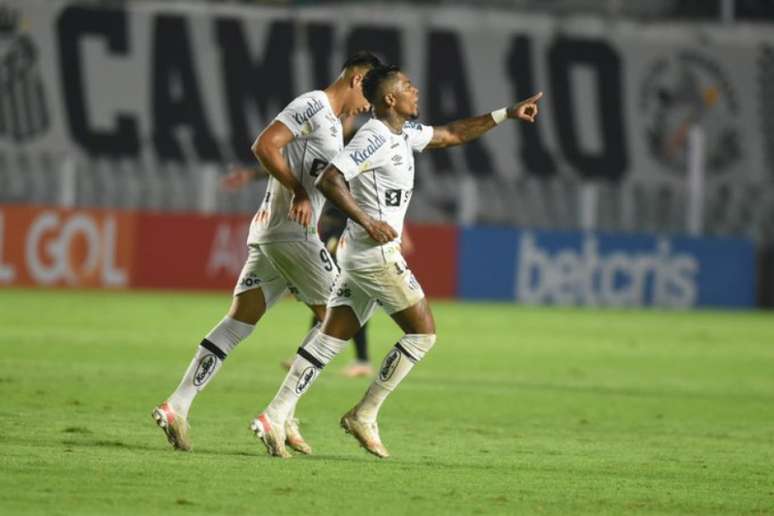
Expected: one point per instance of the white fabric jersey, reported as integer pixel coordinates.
(379, 166)
(318, 138)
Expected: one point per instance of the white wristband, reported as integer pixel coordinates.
(500, 116)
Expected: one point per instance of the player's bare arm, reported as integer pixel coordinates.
(468, 129)
(334, 188)
(268, 149)
(239, 176)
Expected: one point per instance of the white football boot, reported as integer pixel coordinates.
(175, 427)
(294, 439)
(271, 434)
(366, 432)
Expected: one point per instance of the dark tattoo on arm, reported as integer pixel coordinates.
(461, 131)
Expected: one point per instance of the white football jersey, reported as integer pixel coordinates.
(318, 138)
(379, 166)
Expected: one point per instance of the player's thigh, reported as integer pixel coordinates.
(248, 307)
(340, 322)
(307, 268)
(400, 294)
(258, 287)
(348, 298)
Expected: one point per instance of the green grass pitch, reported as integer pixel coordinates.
(517, 410)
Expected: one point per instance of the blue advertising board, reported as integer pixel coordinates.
(576, 268)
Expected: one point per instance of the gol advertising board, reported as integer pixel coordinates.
(66, 248)
(574, 268)
(78, 248)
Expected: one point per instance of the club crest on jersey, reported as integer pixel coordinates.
(312, 108)
(388, 366)
(374, 143)
(204, 369)
(306, 378)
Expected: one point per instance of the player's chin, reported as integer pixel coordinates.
(414, 115)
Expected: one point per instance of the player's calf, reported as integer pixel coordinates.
(394, 368)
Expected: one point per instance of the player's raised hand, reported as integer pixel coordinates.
(527, 109)
(301, 208)
(381, 231)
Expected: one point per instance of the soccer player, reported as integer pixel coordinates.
(378, 163)
(284, 250)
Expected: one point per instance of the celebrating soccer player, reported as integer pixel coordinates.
(379, 165)
(284, 250)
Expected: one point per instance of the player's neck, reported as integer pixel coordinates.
(335, 93)
(392, 120)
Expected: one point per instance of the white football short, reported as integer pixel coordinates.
(393, 286)
(304, 267)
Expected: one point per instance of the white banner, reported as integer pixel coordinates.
(195, 84)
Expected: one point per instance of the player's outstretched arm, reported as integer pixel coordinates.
(268, 149)
(468, 129)
(333, 186)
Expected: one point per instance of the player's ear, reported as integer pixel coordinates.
(356, 80)
(389, 100)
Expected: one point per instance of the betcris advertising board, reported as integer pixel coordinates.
(598, 269)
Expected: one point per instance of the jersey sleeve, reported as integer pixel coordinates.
(294, 117)
(366, 151)
(419, 135)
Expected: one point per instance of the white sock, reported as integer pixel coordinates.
(395, 367)
(211, 353)
(317, 350)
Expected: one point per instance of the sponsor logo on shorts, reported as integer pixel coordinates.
(306, 378)
(388, 366)
(204, 369)
(344, 292)
(250, 281)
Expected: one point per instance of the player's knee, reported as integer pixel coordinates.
(418, 344)
(319, 312)
(248, 307)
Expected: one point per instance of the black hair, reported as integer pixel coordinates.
(373, 80)
(362, 58)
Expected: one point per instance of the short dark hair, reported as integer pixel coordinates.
(362, 58)
(373, 80)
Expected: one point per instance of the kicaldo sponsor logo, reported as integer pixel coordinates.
(659, 277)
(53, 247)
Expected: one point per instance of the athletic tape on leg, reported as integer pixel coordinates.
(321, 350)
(227, 334)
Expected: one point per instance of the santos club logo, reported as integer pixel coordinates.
(682, 91)
(23, 112)
(205, 369)
(389, 365)
(306, 378)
